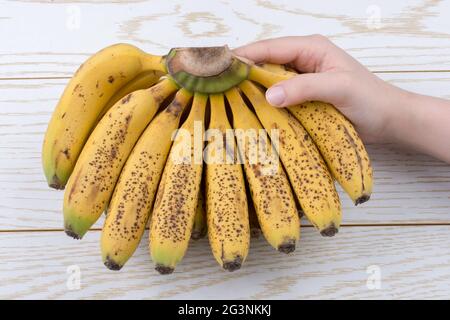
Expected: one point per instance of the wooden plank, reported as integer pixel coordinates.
(413, 263)
(409, 187)
(42, 38)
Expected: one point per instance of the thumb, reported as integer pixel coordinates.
(327, 87)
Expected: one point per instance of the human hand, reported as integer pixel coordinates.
(331, 75)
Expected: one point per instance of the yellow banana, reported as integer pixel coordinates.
(255, 228)
(226, 202)
(269, 74)
(98, 167)
(270, 189)
(334, 135)
(143, 80)
(134, 193)
(278, 68)
(199, 229)
(340, 146)
(176, 205)
(309, 176)
(84, 98)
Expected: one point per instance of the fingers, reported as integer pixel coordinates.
(327, 87)
(278, 50)
(306, 53)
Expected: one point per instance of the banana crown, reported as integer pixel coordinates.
(206, 69)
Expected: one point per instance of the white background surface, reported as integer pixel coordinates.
(403, 232)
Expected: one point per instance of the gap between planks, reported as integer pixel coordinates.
(376, 72)
(349, 225)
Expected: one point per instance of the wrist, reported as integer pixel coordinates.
(401, 116)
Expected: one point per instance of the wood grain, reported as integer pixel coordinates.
(409, 187)
(51, 38)
(414, 263)
(43, 42)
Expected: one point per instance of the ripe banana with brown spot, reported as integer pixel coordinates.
(134, 193)
(83, 100)
(334, 135)
(143, 80)
(309, 176)
(176, 206)
(226, 202)
(269, 186)
(199, 229)
(91, 185)
(255, 228)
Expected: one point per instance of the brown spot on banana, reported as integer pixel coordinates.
(127, 98)
(74, 185)
(358, 156)
(66, 153)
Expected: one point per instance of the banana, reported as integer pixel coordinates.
(143, 80)
(340, 146)
(176, 205)
(255, 228)
(278, 68)
(334, 135)
(226, 202)
(84, 98)
(269, 74)
(269, 187)
(309, 176)
(95, 174)
(199, 229)
(134, 193)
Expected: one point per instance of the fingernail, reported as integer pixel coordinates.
(276, 96)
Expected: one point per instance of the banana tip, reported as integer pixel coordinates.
(162, 269)
(56, 183)
(112, 265)
(68, 230)
(287, 247)
(329, 231)
(362, 199)
(233, 265)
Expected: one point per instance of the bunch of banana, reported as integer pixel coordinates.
(187, 144)
(99, 83)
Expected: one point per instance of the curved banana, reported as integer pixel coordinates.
(84, 98)
(199, 229)
(143, 80)
(340, 146)
(334, 135)
(309, 176)
(226, 202)
(95, 174)
(134, 193)
(270, 189)
(176, 201)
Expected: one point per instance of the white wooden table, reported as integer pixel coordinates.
(395, 246)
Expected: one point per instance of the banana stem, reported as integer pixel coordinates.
(163, 89)
(152, 62)
(217, 102)
(267, 78)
